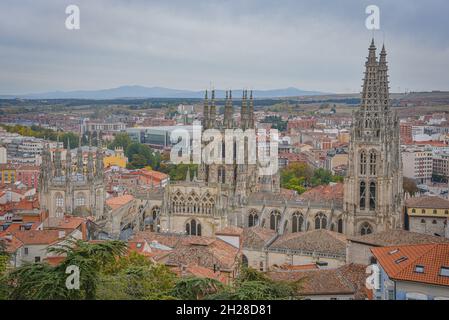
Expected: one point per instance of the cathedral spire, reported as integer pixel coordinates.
(58, 160)
(68, 161)
(99, 169)
(384, 94)
(206, 112)
(90, 161)
(188, 174)
(79, 155)
(213, 111)
(244, 112)
(370, 96)
(229, 111)
(251, 111)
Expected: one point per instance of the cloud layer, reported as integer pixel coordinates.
(312, 45)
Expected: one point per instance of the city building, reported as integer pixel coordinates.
(427, 215)
(418, 164)
(412, 272)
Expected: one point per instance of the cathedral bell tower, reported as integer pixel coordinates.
(373, 194)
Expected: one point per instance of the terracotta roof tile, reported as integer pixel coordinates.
(322, 241)
(428, 202)
(117, 202)
(399, 262)
(347, 280)
(34, 237)
(396, 237)
(256, 237)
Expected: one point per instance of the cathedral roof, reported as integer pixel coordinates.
(117, 202)
(396, 237)
(326, 193)
(256, 237)
(315, 241)
(348, 280)
(204, 251)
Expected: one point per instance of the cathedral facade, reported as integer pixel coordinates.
(72, 188)
(231, 193)
(221, 195)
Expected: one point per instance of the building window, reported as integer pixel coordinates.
(253, 219)
(423, 221)
(26, 251)
(261, 266)
(275, 218)
(366, 229)
(221, 175)
(297, 222)
(434, 211)
(193, 228)
(362, 195)
(413, 210)
(59, 200)
(320, 221)
(434, 222)
(423, 211)
(372, 196)
(340, 226)
(80, 200)
(372, 163)
(363, 163)
(37, 259)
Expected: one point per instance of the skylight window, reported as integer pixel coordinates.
(419, 269)
(393, 251)
(401, 259)
(444, 271)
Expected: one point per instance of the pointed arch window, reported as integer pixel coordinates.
(193, 228)
(366, 229)
(275, 218)
(297, 222)
(320, 221)
(372, 163)
(340, 226)
(363, 161)
(221, 175)
(362, 195)
(59, 200)
(253, 219)
(372, 196)
(80, 200)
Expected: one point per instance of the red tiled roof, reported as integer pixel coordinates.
(33, 237)
(12, 243)
(430, 202)
(117, 202)
(399, 262)
(199, 271)
(324, 193)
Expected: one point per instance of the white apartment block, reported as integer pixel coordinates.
(441, 164)
(418, 164)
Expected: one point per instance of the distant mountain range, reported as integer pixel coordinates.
(133, 92)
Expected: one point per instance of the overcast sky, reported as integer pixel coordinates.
(312, 45)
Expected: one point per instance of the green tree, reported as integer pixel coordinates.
(121, 139)
(194, 288)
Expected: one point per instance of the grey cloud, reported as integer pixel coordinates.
(312, 45)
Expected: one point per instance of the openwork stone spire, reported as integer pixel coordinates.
(229, 111)
(206, 112)
(213, 111)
